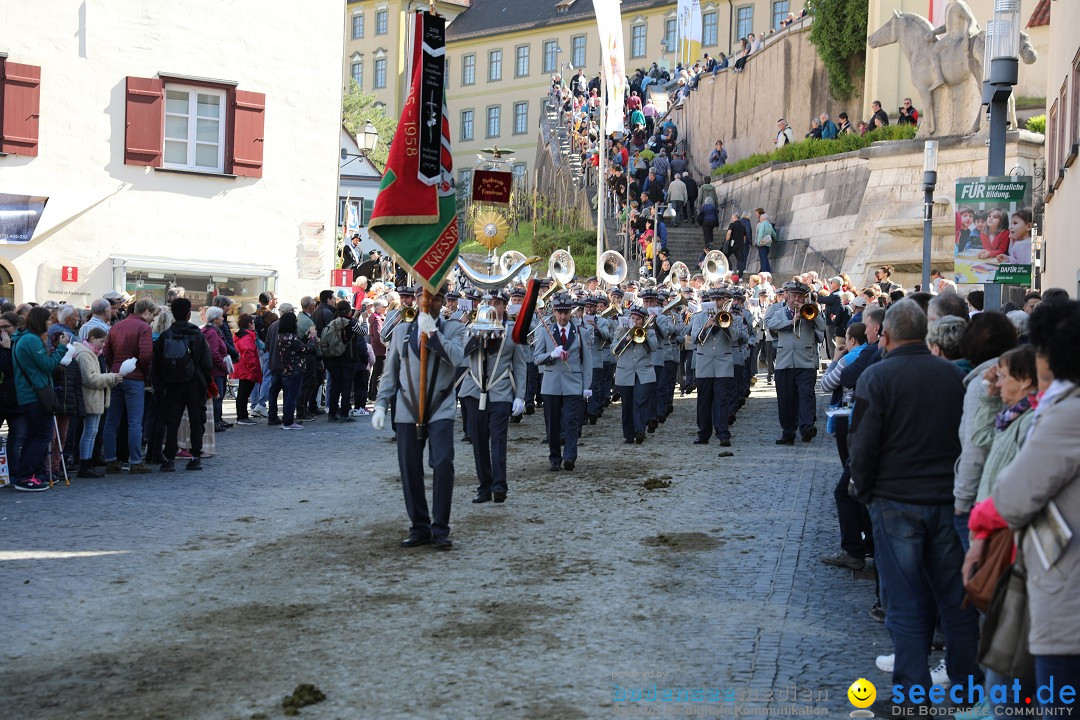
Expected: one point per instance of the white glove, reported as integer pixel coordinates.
(427, 324)
(558, 353)
(378, 418)
(519, 407)
(587, 393)
(128, 366)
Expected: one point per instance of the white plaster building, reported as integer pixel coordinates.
(358, 186)
(176, 142)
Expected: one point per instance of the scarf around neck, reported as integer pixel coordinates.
(1006, 417)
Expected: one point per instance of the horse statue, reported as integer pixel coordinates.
(946, 65)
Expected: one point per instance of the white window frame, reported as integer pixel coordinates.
(778, 16)
(671, 34)
(553, 66)
(498, 121)
(384, 17)
(574, 55)
(357, 25)
(375, 78)
(521, 59)
(471, 125)
(715, 28)
(739, 21)
(639, 49)
(495, 61)
(193, 98)
(468, 69)
(524, 117)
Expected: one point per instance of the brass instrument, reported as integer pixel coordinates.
(407, 314)
(510, 261)
(721, 319)
(636, 335)
(404, 314)
(678, 271)
(560, 269)
(612, 268)
(677, 302)
(808, 312)
(715, 267)
(609, 311)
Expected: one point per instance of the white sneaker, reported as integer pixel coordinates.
(885, 663)
(359, 412)
(258, 411)
(939, 675)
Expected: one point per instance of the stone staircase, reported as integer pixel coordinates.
(562, 141)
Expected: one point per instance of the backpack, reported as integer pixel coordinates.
(179, 365)
(333, 341)
(259, 323)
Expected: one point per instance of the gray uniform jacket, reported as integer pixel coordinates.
(795, 352)
(715, 357)
(665, 328)
(635, 363)
(500, 367)
(563, 377)
(401, 373)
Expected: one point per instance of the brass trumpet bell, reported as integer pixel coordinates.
(808, 311)
(408, 314)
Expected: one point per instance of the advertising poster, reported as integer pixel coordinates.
(993, 230)
(19, 215)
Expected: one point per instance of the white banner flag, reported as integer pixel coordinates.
(689, 24)
(609, 23)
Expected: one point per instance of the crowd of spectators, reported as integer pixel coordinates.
(129, 384)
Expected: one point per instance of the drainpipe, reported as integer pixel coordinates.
(730, 26)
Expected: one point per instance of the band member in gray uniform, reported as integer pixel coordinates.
(493, 389)
(600, 330)
(401, 380)
(797, 362)
(714, 370)
(635, 377)
(607, 358)
(566, 359)
(664, 328)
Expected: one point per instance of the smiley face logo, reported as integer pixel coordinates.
(862, 693)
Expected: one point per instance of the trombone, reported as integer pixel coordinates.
(635, 335)
(722, 319)
(405, 314)
(808, 312)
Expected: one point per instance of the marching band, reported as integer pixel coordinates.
(583, 349)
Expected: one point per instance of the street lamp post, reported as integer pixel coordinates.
(929, 183)
(1001, 63)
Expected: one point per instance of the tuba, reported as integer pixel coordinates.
(612, 268)
(714, 267)
(560, 269)
(678, 271)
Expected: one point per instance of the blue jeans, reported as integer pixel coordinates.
(262, 390)
(918, 558)
(960, 522)
(89, 434)
(34, 452)
(763, 256)
(1062, 670)
(15, 440)
(128, 394)
(291, 385)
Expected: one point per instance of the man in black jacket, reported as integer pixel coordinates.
(181, 392)
(901, 457)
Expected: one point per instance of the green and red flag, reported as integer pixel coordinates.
(415, 214)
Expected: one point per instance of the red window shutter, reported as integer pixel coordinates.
(21, 86)
(145, 108)
(249, 110)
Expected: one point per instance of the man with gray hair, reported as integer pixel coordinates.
(901, 460)
(225, 302)
(100, 314)
(945, 304)
(943, 337)
(313, 372)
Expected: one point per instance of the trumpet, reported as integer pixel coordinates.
(636, 335)
(405, 314)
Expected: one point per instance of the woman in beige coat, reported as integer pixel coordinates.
(1045, 471)
(96, 384)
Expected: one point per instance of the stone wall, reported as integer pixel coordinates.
(856, 211)
(784, 80)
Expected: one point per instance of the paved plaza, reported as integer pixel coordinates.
(214, 594)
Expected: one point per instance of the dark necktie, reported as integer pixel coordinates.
(563, 331)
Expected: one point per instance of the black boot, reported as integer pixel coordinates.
(86, 470)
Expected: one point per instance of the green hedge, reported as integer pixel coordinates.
(809, 149)
(1037, 123)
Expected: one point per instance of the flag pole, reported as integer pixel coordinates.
(600, 168)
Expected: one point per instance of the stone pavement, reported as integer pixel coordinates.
(279, 565)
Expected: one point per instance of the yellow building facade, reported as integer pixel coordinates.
(501, 56)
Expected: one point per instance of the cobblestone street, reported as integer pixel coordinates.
(213, 594)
